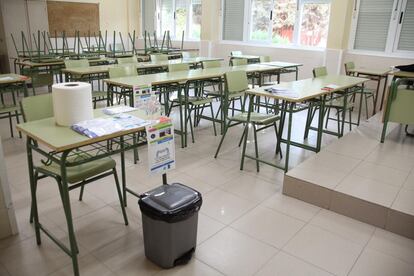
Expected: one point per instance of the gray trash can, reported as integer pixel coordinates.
(169, 221)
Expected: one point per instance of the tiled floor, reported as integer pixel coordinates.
(246, 226)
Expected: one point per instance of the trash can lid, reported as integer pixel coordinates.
(170, 203)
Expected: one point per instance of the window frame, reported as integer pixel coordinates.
(393, 34)
(268, 42)
(173, 30)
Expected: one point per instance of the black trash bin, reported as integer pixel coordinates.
(169, 221)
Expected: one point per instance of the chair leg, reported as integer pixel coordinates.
(278, 150)
(71, 233)
(121, 201)
(256, 148)
(222, 139)
(191, 124)
(212, 117)
(18, 122)
(338, 119)
(307, 124)
(36, 178)
(241, 138)
(327, 117)
(11, 125)
(81, 192)
(350, 120)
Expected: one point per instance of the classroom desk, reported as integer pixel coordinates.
(288, 67)
(299, 92)
(250, 58)
(180, 78)
(56, 65)
(375, 75)
(103, 70)
(13, 81)
(58, 144)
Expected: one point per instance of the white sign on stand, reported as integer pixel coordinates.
(161, 146)
(146, 100)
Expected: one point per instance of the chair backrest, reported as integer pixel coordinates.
(238, 61)
(319, 72)
(264, 58)
(159, 57)
(37, 107)
(189, 54)
(211, 64)
(236, 53)
(348, 66)
(76, 63)
(174, 67)
(127, 60)
(235, 82)
(400, 102)
(123, 71)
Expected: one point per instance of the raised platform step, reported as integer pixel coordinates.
(361, 178)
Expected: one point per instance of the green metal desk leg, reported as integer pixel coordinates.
(25, 91)
(246, 130)
(360, 103)
(289, 133)
(383, 92)
(180, 107)
(376, 96)
(320, 123)
(387, 112)
(123, 176)
(33, 189)
(344, 112)
(65, 197)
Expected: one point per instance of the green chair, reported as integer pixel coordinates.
(127, 60)
(366, 92)
(175, 67)
(39, 79)
(196, 103)
(119, 72)
(97, 95)
(399, 105)
(211, 64)
(336, 102)
(238, 61)
(158, 57)
(10, 112)
(264, 59)
(236, 82)
(212, 83)
(189, 54)
(41, 107)
(236, 53)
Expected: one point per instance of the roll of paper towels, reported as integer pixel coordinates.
(72, 102)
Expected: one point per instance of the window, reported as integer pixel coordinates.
(383, 26)
(283, 22)
(175, 16)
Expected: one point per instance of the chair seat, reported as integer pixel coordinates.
(9, 108)
(339, 103)
(256, 118)
(99, 94)
(81, 172)
(197, 100)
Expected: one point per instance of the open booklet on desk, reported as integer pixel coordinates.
(283, 91)
(105, 126)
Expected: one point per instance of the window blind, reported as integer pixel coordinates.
(373, 23)
(406, 41)
(233, 20)
(148, 15)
